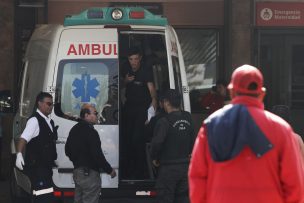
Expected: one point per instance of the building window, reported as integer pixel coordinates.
(200, 48)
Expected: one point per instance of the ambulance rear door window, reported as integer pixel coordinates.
(88, 81)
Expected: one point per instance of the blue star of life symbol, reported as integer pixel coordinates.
(85, 88)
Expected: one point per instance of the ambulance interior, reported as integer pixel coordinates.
(153, 48)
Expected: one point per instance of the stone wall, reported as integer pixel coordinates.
(241, 32)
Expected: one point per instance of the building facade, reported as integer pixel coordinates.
(216, 37)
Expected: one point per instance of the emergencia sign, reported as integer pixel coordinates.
(279, 14)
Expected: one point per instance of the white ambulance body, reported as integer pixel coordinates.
(80, 62)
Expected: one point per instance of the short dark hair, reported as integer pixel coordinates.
(40, 97)
(133, 51)
(173, 97)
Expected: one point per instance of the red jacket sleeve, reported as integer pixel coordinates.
(292, 169)
(291, 165)
(198, 169)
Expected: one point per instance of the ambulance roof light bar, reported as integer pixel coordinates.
(117, 16)
(137, 14)
(94, 14)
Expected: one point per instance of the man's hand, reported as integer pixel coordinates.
(113, 174)
(129, 78)
(155, 163)
(19, 161)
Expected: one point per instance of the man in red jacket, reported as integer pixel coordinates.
(215, 99)
(245, 154)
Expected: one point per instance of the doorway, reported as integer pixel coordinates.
(281, 59)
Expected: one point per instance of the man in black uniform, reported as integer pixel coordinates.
(39, 138)
(171, 148)
(160, 112)
(83, 147)
(140, 95)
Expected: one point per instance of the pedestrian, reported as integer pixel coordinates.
(244, 153)
(171, 147)
(140, 96)
(216, 98)
(39, 138)
(83, 147)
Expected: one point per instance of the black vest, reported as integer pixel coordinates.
(179, 141)
(41, 150)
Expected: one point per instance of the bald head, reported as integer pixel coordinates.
(88, 113)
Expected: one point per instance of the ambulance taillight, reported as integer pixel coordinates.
(59, 194)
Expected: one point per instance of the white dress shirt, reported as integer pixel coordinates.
(32, 127)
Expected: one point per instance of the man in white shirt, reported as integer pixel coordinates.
(39, 138)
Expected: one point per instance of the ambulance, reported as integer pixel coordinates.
(80, 62)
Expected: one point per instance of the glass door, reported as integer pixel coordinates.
(280, 57)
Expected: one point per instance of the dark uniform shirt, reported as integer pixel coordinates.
(152, 123)
(173, 138)
(137, 91)
(83, 147)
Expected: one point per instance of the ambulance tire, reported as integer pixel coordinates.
(18, 195)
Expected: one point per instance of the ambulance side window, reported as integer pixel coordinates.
(32, 86)
(87, 81)
(37, 56)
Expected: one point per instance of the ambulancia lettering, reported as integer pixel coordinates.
(92, 49)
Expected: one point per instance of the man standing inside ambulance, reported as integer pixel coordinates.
(39, 138)
(140, 95)
(244, 153)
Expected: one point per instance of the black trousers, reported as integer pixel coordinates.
(41, 181)
(172, 184)
(133, 140)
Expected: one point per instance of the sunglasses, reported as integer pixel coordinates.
(49, 103)
(96, 113)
